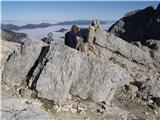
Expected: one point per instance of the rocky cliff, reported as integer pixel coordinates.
(139, 25)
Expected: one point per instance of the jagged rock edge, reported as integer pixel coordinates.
(118, 53)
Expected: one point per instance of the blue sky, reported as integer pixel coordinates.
(61, 11)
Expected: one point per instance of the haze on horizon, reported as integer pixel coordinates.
(62, 11)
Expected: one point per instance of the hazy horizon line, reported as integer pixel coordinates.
(25, 22)
(59, 20)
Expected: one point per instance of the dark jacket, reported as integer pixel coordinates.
(70, 39)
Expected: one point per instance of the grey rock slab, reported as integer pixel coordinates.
(151, 89)
(20, 62)
(121, 47)
(69, 71)
(17, 109)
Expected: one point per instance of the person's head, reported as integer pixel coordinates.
(50, 35)
(74, 28)
(93, 24)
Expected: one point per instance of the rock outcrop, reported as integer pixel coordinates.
(20, 62)
(119, 46)
(154, 46)
(13, 108)
(57, 70)
(83, 76)
(151, 89)
(139, 25)
(65, 80)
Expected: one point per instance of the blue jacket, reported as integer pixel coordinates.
(70, 39)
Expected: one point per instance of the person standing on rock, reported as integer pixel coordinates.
(73, 40)
(49, 39)
(95, 24)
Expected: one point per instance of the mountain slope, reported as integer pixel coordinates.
(28, 26)
(13, 36)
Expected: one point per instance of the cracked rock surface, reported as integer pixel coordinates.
(17, 109)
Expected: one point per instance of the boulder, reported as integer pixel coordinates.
(68, 71)
(20, 62)
(17, 109)
(150, 89)
(154, 46)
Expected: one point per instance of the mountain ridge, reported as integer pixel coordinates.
(11, 36)
(139, 25)
(44, 25)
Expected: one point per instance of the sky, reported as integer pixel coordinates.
(62, 11)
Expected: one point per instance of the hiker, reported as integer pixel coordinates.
(49, 39)
(73, 39)
(94, 25)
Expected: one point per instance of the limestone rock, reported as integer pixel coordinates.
(16, 109)
(20, 62)
(121, 47)
(58, 70)
(154, 46)
(73, 110)
(151, 89)
(7, 48)
(68, 70)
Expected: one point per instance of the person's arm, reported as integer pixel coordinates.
(66, 38)
(79, 33)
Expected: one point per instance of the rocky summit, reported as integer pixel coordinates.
(139, 25)
(112, 80)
